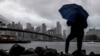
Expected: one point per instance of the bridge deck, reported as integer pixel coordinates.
(18, 30)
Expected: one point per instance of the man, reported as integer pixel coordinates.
(77, 31)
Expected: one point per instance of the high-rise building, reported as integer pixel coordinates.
(20, 27)
(44, 30)
(51, 32)
(28, 26)
(37, 36)
(13, 33)
(9, 26)
(94, 32)
(29, 36)
(58, 29)
(64, 34)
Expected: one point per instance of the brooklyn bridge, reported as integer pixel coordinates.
(32, 32)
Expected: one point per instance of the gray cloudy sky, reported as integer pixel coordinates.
(46, 11)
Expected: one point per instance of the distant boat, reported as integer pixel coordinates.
(15, 41)
(12, 39)
(91, 42)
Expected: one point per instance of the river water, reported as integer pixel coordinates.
(60, 46)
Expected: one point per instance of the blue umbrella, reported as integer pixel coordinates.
(72, 11)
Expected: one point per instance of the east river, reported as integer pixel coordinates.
(60, 46)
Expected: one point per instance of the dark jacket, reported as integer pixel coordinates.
(79, 24)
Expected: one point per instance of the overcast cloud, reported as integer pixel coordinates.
(46, 11)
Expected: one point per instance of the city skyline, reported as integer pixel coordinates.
(38, 12)
(30, 26)
(57, 31)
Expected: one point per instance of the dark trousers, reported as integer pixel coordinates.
(75, 34)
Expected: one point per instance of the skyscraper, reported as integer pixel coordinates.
(64, 34)
(19, 34)
(9, 26)
(29, 36)
(44, 30)
(58, 29)
(93, 32)
(51, 32)
(37, 29)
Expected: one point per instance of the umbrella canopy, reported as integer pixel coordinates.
(72, 11)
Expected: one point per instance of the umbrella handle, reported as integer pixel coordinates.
(69, 23)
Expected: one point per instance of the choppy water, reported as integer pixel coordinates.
(60, 46)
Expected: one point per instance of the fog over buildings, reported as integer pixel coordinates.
(57, 31)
